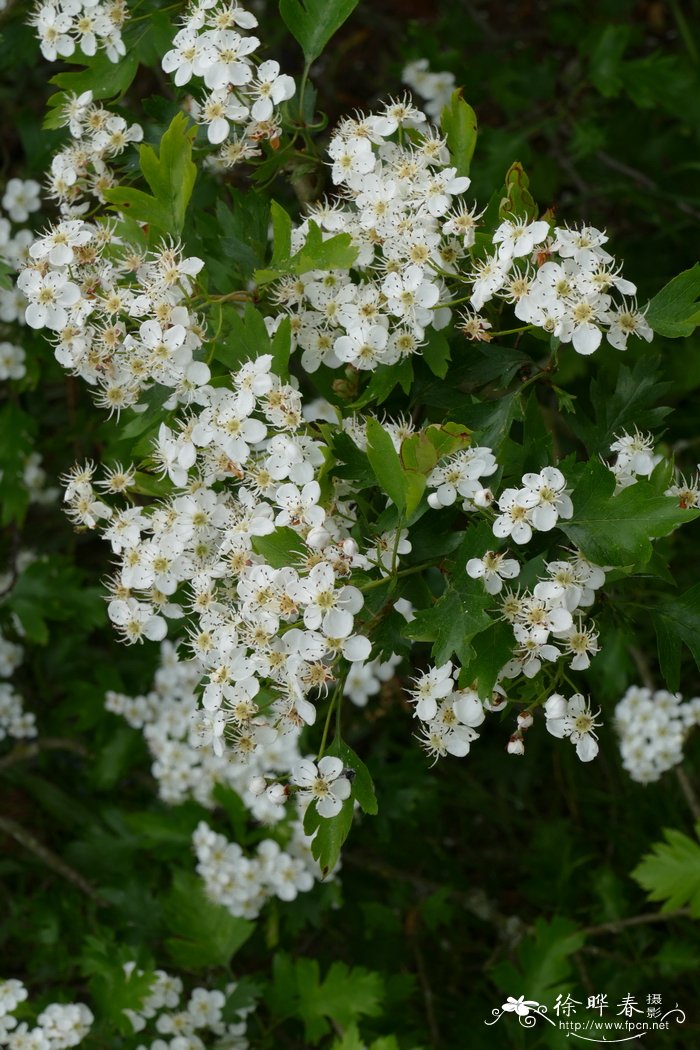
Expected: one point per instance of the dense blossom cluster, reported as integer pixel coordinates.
(653, 727)
(82, 170)
(164, 1020)
(402, 204)
(64, 25)
(57, 1027)
(238, 108)
(170, 719)
(15, 722)
(184, 769)
(243, 882)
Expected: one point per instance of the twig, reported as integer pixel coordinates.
(427, 996)
(49, 858)
(689, 792)
(642, 665)
(644, 181)
(25, 752)
(635, 920)
(475, 902)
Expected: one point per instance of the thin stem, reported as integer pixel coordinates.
(25, 752)
(635, 920)
(404, 572)
(49, 858)
(689, 792)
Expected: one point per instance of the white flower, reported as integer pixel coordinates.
(493, 569)
(574, 719)
(430, 687)
(323, 784)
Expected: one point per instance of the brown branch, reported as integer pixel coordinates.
(635, 920)
(689, 792)
(25, 752)
(50, 859)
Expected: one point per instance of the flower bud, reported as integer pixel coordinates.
(525, 720)
(483, 498)
(277, 793)
(257, 786)
(516, 745)
(434, 501)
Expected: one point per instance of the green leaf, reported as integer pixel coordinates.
(330, 834)
(436, 352)
(451, 623)
(332, 253)
(385, 462)
(112, 988)
(674, 312)
(344, 995)
(362, 786)
(313, 22)
(543, 960)
(677, 620)
(171, 174)
(633, 403)
(616, 529)
(384, 379)
(280, 348)
(517, 202)
(104, 78)
(204, 933)
(671, 872)
(458, 121)
(493, 650)
(282, 547)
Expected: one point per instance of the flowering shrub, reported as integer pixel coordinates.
(376, 454)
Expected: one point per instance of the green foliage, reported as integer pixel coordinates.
(203, 934)
(615, 529)
(344, 994)
(544, 965)
(170, 175)
(677, 622)
(674, 312)
(317, 252)
(313, 22)
(670, 872)
(458, 122)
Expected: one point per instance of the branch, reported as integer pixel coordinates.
(635, 920)
(49, 858)
(25, 752)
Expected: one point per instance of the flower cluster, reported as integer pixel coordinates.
(397, 206)
(19, 201)
(182, 767)
(58, 1026)
(122, 338)
(15, 722)
(653, 727)
(215, 46)
(63, 25)
(449, 715)
(244, 882)
(83, 169)
(435, 88)
(460, 476)
(191, 1025)
(561, 283)
(537, 505)
(634, 458)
